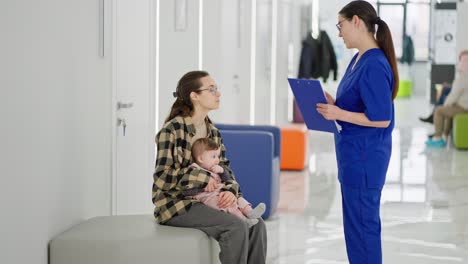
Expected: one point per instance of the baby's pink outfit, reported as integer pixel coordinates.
(211, 199)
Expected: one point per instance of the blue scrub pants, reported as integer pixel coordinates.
(361, 221)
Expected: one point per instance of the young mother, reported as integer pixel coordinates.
(197, 94)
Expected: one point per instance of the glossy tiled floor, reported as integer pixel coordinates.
(424, 208)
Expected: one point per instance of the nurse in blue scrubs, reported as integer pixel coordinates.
(364, 109)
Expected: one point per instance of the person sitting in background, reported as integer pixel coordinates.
(446, 88)
(455, 103)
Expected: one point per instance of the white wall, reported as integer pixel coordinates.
(462, 21)
(226, 56)
(213, 48)
(244, 63)
(263, 58)
(220, 36)
(178, 51)
(55, 131)
(284, 35)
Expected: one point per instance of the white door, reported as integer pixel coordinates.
(227, 56)
(221, 48)
(133, 87)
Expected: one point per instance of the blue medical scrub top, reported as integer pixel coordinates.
(363, 153)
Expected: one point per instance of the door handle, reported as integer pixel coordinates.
(121, 105)
(121, 121)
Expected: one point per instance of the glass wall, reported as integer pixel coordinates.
(410, 17)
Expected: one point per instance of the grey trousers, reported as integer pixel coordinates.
(238, 243)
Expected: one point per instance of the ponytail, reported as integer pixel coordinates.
(385, 42)
(179, 107)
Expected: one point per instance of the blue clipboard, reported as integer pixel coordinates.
(308, 94)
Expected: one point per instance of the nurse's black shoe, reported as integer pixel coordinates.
(430, 136)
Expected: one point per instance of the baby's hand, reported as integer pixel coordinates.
(217, 169)
(211, 185)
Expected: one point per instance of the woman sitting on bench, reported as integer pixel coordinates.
(196, 95)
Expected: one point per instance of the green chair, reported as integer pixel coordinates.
(460, 131)
(405, 88)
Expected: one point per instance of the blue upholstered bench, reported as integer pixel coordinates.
(254, 152)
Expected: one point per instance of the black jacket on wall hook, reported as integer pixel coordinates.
(408, 50)
(318, 58)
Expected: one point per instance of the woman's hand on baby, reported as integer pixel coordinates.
(226, 199)
(211, 185)
(217, 169)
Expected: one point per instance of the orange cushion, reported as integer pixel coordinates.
(293, 148)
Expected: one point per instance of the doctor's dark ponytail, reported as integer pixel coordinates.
(367, 13)
(385, 42)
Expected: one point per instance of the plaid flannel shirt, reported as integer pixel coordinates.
(173, 175)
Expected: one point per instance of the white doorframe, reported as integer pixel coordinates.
(114, 113)
(154, 76)
(152, 86)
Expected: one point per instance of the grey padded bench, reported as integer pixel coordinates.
(131, 239)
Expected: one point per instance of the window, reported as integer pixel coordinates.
(418, 26)
(393, 15)
(411, 17)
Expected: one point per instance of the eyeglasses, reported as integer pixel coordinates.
(338, 25)
(212, 89)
